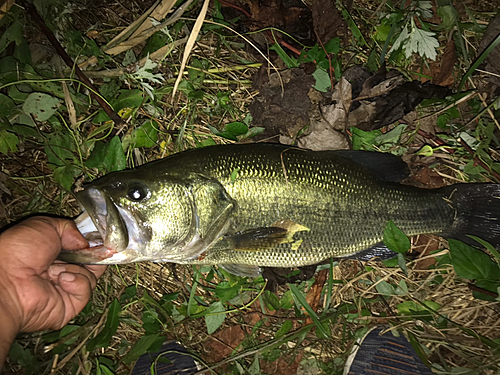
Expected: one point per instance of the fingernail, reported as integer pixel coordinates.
(68, 277)
(56, 269)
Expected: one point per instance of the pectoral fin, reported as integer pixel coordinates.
(264, 238)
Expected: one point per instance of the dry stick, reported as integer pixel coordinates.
(53, 40)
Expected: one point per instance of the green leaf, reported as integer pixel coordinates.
(225, 291)
(362, 140)
(236, 128)
(286, 300)
(290, 62)
(104, 337)
(384, 288)
(66, 330)
(216, 317)
(146, 135)
(487, 245)
(115, 157)
(333, 46)
(59, 149)
(489, 285)
(127, 99)
(13, 34)
(323, 82)
(392, 137)
(7, 106)
(141, 347)
(284, 329)
(96, 158)
(410, 307)
(402, 263)
(395, 239)
(271, 300)
(8, 142)
(64, 176)
(41, 106)
(471, 263)
(418, 348)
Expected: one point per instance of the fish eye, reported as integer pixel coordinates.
(137, 193)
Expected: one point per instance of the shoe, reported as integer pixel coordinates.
(180, 362)
(378, 354)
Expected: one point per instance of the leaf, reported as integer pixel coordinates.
(409, 307)
(392, 137)
(41, 106)
(64, 176)
(103, 339)
(271, 300)
(225, 291)
(471, 263)
(146, 135)
(362, 140)
(115, 157)
(216, 317)
(96, 158)
(13, 34)
(127, 99)
(290, 62)
(333, 46)
(8, 142)
(402, 263)
(487, 245)
(284, 329)
(141, 347)
(59, 149)
(395, 239)
(384, 288)
(7, 106)
(323, 82)
(488, 285)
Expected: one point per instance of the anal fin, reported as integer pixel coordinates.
(379, 250)
(245, 270)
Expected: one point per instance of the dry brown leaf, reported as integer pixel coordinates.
(314, 294)
(444, 77)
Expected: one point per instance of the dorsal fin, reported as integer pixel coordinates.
(386, 167)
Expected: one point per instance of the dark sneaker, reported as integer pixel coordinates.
(173, 359)
(384, 355)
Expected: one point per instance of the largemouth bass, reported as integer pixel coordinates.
(243, 207)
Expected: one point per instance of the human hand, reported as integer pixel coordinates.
(36, 291)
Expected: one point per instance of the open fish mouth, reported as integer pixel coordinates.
(113, 233)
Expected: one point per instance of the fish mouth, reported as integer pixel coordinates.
(113, 233)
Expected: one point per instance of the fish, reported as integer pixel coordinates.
(247, 206)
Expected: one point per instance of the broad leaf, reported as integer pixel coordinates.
(395, 239)
(8, 142)
(471, 263)
(104, 337)
(115, 157)
(41, 106)
(216, 317)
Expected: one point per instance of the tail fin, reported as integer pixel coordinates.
(478, 212)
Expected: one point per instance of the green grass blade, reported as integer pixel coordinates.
(302, 301)
(479, 60)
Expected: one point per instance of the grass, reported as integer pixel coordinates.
(233, 324)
